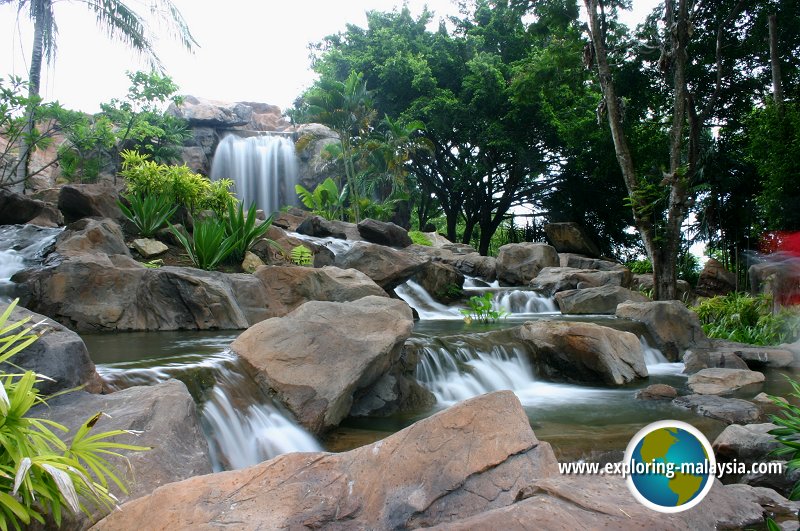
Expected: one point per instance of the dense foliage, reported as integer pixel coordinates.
(742, 318)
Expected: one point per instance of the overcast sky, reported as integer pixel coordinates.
(250, 50)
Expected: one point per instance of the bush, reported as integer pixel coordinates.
(148, 213)
(745, 319)
(788, 434)
(39, 473)
(640, 267)
(244, 230)
(419, 238)
(209, 244)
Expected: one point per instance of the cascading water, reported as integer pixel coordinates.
(427, 308)
(517, 301)
(263, 169)
(657, 363)
(242, 426)
(21, 246)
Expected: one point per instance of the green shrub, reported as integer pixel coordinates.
(244, 229)
(302, 256)
(479, 308)
(419, 238)
(39, 473)
(640, 267)
(148, 213)
(326, 200)
(788, 433)
(745, 319)
(209, 244)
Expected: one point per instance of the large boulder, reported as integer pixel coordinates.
(92, 236)
(584, 352)
(519, 263)
(569, 237)
(472, 457)
(290, 287)
(698, 359)
(162, 417)
(600, 300)
(16, 209)
(551, 280)
(78, 201)
(201, 112)
(728, 410)
(442, 281)
(318, 356)
(722, 381)
(644, 283)
(715, 280)
(757, 357)
(463, 257)
(673, 327)
(59, 353)
(578, 261)
(657, 392)
(384, 233)
(315, 165)
(267, 251)
(747, 444)
(386, 266)
(320, 227)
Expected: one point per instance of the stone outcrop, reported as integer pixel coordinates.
(728, 410)
(551, 280)
(59, 354)
(570, 237)
(315, 167)
(698, 359)
(166, 416)
(386, 266)
(584, 352)
(715, 280)
(519, 263)
(722, 381)
(600, 300)
(384, 233)
(673, 327)
(78, 201)
(318, 356)
(16, 209)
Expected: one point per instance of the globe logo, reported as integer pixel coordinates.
(670, 466)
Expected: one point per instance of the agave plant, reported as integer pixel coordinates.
(244, 230)
(148, 213)
(209, 244)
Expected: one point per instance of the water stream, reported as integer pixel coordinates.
(21, 246)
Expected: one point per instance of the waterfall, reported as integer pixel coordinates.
(418, 298)
(263, 169)
(656, 362)
(242, 426)
(21, 246)
(517, 301)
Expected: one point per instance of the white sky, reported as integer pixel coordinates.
(250, 50)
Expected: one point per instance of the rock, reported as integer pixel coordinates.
(673, 327)
(148, 247)
(315, 166)
(201, 112)
(166, 416)
(657, 392)
(59, 354)
(386, 266)
(16, 209)
(722, 381)
(78, 201)
(757, 357)
(313, 367)
(289, 287)
(322, 228)
(442, 281)
(600, 300)
(570, 237)
(322, 256)
(763, 399)
(551, 280)
(290, 219)
(519, 263)
(476, 265)
(715, 280)
(196, 158)
(698, 359)
(644, 283)
(469, 458)
(90, 237)
(728, 410)
(579, 261)
(251, 262)
(384, 233)
(782, 482)
(584, 352)
(436, 239)
(748, 444)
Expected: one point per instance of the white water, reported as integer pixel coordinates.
(242, 426)
(418, 298)
(517, 301)
(657, 363)
(336, 245)
(263, 169)
(21, 246)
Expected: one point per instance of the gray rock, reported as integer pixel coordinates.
(748, 444)
(78, 201)
(673, 327)
(148, 247)
(728, 410)
(551, 280)
(698, 359)
(579, 261)
(386, 266)
(442, 281)
(323, 228)
(92, 236)
(722, 381)
(519, 263)
(715, 280)
(569, 237)
(384, 233)
(600, 300)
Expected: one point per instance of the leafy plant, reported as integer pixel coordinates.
(209, 244)
(244, 230)
(148, 213)
(746, 319)
(640, 267)
(788, 433)
(326, 200)
(419, 238)
(39, 473)
(302, 256)
(480, 308)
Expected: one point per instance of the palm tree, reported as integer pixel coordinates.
(119, 21)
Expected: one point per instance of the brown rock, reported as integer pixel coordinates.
(673, 327)
(698, 359)
(442, 281)
(386, 266)
(715, 280)
(92, 236)
(722, 381)
(657, 392)
(384, 233)
(78, 201)
(728, 410)
(600, 300)
(551, 280)
(519, 263)
(569, 237)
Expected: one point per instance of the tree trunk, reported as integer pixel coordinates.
(34, 80)
(774, 57)
(665, 276)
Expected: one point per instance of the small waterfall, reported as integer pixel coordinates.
(263, 169)
(243, 427)
(475, 282)
(21, 246)
(418, 298)
(524, 301)
(336, 245)
(656, 362)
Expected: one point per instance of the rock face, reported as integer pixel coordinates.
(698, 359)
(570, 237)
(748, 444)
(722, 381)
(728, 410)
(472, 457)
(315, 167)
(551, 280)
(715, 280)
(387, 267)
(318, 356)
(673, 327)
(78, 201)
(584, 352)
(167, 417)
(600, 300)
(59, 354)
(519, 263)
(384, 233)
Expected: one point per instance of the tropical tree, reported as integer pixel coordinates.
(119, 20)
